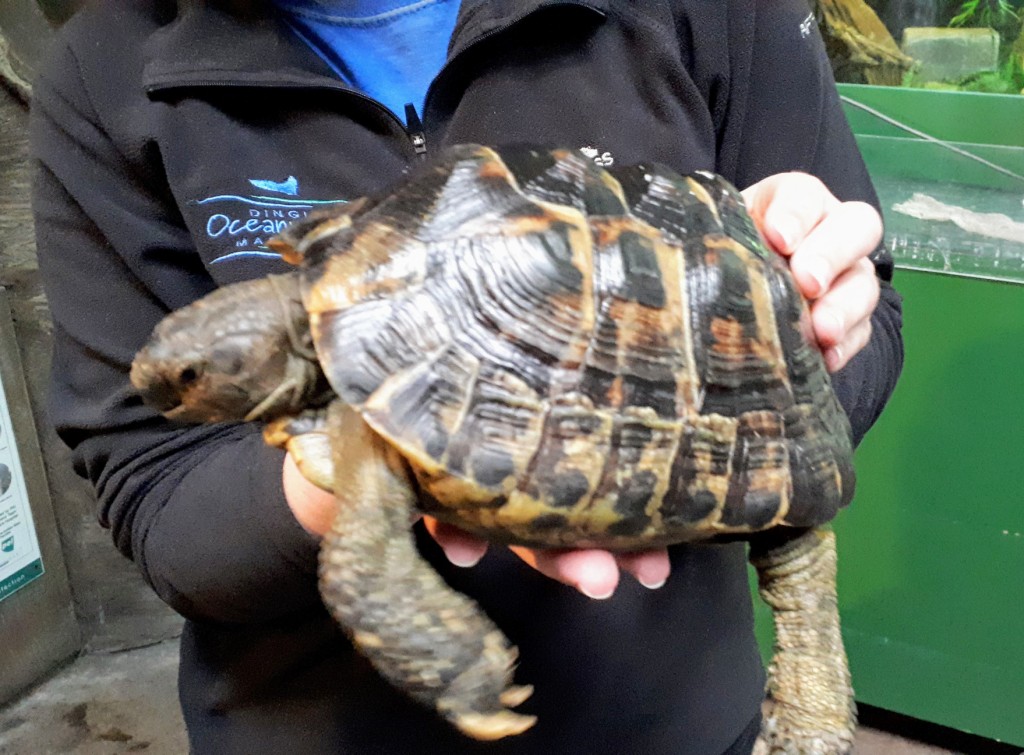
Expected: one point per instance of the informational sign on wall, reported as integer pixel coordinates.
(20, 561)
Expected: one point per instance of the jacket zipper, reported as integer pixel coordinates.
(414, 128)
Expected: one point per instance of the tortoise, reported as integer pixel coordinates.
(546, 353)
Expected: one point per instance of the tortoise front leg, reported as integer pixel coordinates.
(422, 636)
(810, 706)
(305, 437)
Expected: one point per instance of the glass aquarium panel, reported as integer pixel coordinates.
(934, 91)
(949, 170)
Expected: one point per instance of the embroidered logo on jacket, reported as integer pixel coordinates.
(241, 225)
(289, 186)
(604, 159)
(807, 26)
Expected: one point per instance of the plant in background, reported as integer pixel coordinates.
(1005, 17)
(992, 13)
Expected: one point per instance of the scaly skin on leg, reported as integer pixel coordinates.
(305, 437)
(810, 708)
(421, 635)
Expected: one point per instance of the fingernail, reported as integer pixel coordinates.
(788, 229)
(833, 358)
(594, 595)
(651, 585)
(837, 330)
(818, 269)
(463, 557)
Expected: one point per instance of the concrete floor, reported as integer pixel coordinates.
(112, 704)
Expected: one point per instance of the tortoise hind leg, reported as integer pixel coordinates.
(422, 636)
(810, 706)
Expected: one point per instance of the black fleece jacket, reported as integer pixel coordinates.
(170, 146)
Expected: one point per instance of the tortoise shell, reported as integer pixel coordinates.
(567, 355)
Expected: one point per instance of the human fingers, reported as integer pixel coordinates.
(651, 568)
(841, 319)
(786, 207)
(838, 356)
(460, 547)
(313, 507)
(801, 219)
(840, 242)
(594, 573)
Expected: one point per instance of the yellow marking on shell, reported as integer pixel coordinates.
(457, 492)
(581, 243)
(778, 481)
(584, 453)
(776, 478)
(492, 166)
(380, 261)
(519, 509)
(702, 196)
(657, 457)
(643, 329)
(614, 186)
(594, 521)
(515, 518)
(768, 326)
(672, 263)
(728, 335)
(327, 228)
(766, 345)
(769, 347)
(712, 431)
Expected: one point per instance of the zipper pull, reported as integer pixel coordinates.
(414, 127)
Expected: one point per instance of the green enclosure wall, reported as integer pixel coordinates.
(931, 550)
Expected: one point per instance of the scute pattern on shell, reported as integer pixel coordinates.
(566, 355)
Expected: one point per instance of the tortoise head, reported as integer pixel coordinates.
(242, 352)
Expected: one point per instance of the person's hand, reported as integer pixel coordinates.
(827, 243)
(313, 507)
(595, 573)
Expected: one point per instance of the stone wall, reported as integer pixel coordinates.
(116, 610)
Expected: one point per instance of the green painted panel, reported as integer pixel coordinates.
(971, 117)
(911, 158)
(931, 550)
(931, 581)
(933, 547)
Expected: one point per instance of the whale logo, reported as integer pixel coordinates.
(289, 186)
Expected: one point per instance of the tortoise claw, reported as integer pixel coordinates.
(491, 726)
(516, 695)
